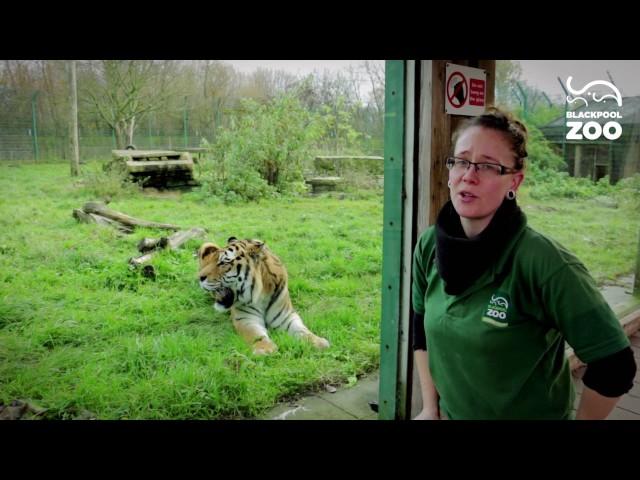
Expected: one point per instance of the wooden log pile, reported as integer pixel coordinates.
(99, 213)
(149, 247)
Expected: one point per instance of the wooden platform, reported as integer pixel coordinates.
(199, 151)
(153, 166)
(156, 168)
(144, 155)
(323, 184)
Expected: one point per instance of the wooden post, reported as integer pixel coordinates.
(73, 120)
(441, 127)
(34, 125)
(636, 281)
(577, 159)
(490, 89)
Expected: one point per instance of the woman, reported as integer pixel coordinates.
(498, 300)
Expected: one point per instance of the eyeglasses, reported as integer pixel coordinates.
(459, 165)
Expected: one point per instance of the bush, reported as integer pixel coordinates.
(627, 190)
(240, 185)
(261, 154)
(541, 154)
(112, 183)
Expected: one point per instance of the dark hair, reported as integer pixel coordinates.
(501, 121)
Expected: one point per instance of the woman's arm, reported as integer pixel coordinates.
(430, 409)
(594, 406)
(605, 381)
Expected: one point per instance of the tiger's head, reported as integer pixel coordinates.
(220, 268)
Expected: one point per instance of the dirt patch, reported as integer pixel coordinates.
(20, 410)
(156, 193)
(24, 410)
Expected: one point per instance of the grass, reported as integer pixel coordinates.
(604, 238)
(80, 332)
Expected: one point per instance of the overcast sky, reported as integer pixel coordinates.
(542, 74)
(305, 67)
(296, 67)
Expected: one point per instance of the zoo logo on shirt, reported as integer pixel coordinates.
(496, 312)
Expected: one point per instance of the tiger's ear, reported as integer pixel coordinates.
(231, 239)
(207, 249)
(255, 248)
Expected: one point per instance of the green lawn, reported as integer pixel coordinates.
(605, 239)
(80, 332)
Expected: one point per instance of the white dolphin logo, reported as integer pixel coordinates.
(500, 301)
(617, 97)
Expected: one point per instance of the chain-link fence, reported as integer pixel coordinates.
(29, 131)
(34, 128)
(21, 142)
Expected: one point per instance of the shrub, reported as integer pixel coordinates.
(112, 183)
(261, 153)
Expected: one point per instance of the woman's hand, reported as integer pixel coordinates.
(428, 414)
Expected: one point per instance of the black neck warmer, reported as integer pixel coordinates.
(460, 260)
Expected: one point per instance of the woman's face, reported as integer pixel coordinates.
(476, 195)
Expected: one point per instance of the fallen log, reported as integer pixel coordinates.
(101, 209)
(148, 244)
(173, 242)
(180, 238)
(84, 217)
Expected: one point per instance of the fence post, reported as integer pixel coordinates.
(149, 142)
(636, 281)
(186, 122)
(525, 105)
(36, 152)
(564, 134)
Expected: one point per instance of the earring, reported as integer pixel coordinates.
(511, 195)
(449, 184)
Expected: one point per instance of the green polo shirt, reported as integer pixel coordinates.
(497, 351)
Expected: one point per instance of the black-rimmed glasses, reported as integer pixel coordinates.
(460, 165)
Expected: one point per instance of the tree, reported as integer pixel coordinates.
(123, 91)
(265, 84)
(374, 111)
(73, 120)
(375, 72)
(219, 84)
(508, 73)
(54, 103)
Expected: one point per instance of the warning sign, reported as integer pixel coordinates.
(465, 90)
(457, 90)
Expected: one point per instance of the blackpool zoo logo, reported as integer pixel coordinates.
(592, 130)
(496, 312)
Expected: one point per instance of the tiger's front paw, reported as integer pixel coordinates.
(264, 347)
(320, 343)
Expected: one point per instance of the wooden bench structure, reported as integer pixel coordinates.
(323, 184)
(336, 163)
(327, 170)
(156, 168)
(196, 151)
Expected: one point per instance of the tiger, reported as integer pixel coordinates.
(247, 278)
